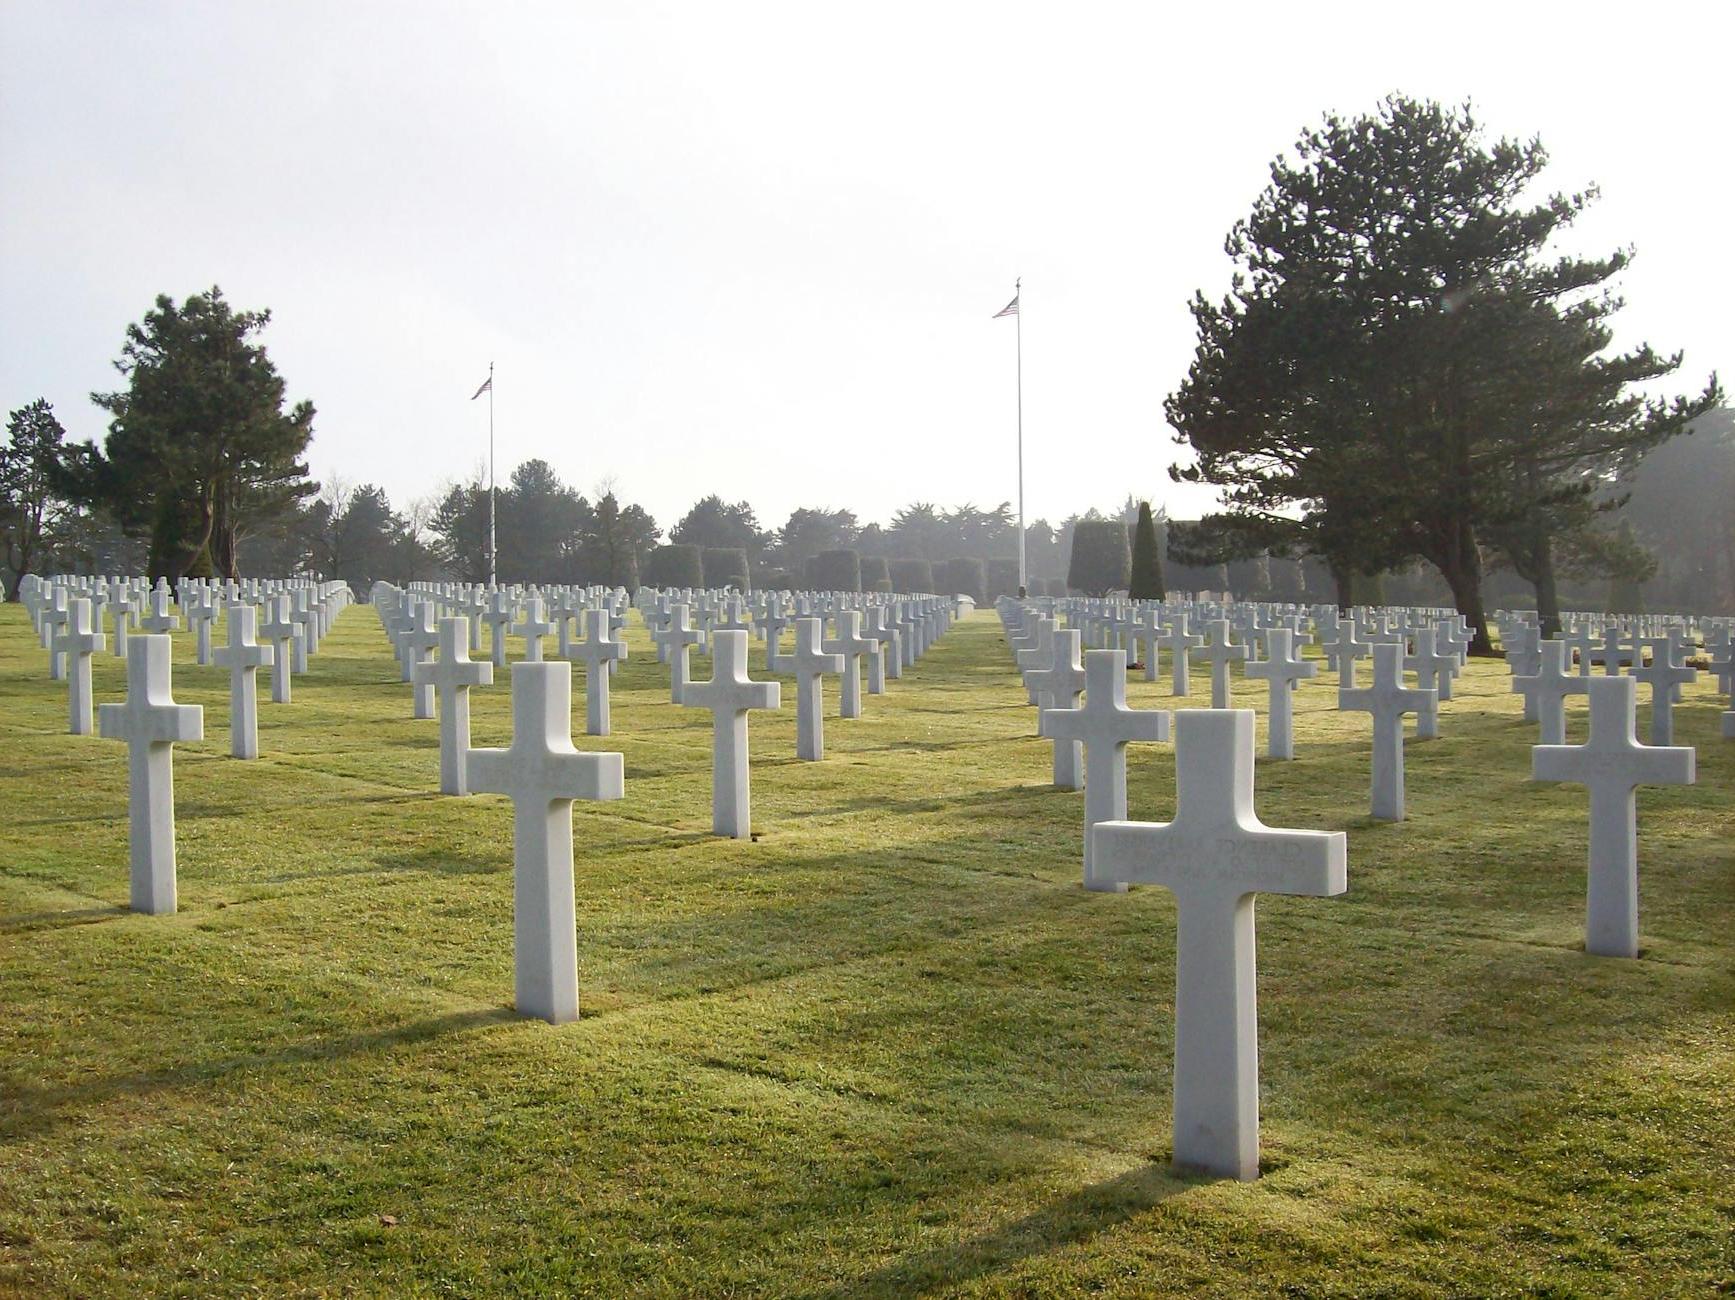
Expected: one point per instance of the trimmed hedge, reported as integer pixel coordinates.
(873, 572)
(911, 576)
(1002, 578)
(838, 570)
(1147, 563)
(675, 565)
(962, 576)
(726, 566)
(1101, 560)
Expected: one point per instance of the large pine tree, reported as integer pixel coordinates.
(1402, 368)
(200, 449)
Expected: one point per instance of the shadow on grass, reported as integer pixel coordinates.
(27, 1111)
(1071, 1221)
(59, 919)
(982, 803)
(118, 813)
(436, 860)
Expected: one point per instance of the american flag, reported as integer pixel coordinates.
(488, 384)
(1010, 309)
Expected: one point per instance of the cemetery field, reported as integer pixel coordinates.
(890, 1048)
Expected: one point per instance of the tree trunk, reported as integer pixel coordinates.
(1344, 581)
(1461, 565)
(223, 553)
(1547, 595)
(18, 559)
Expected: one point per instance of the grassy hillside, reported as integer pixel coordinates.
(890, 1048)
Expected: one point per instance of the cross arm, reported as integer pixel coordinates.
(1238, 860)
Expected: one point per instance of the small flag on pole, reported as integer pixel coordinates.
(1010, 309)
(488, 383)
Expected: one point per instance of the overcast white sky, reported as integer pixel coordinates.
(753, 249)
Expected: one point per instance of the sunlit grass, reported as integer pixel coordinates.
(891, 1047)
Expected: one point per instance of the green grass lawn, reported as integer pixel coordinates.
(891, 1048)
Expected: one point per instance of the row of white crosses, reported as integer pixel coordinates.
(1612, 763)
(1541, 674)
(1389, 699)
(149, 719)
(532, 612)
(543, 775)
(409, 619)
(298, 616)
(540, 772)
(730, 693)
(1214, 856)
(1048, 661)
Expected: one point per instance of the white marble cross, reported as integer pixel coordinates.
(1546, 690)
(874, 627)
(729, 695)
(771, 626)
(1665, 677)
(1520, 642)
(1612, 654)
(1612, 764)
(1281, 669)
(159, 620)
(474, 606)
(451, 676)
(121, 608)
(852, 645)
(734, 617)
(1722, 667)
(1147, 633)
(201, 613)
(308, 603)
(534, 628)
(420, 639)
(1220, 651)
(909, 635)
(1343, 650)
(1105, 726)
(1434, 668)
(54, 621)
(499, 619)
(79, 641)
(1579, 644)
(1180, 643)
(1058, 686)
(1388, 699)
(891, 639)
(810, 662)
(279, 630)
(1035, 657)
(678, 638)
(542, 774)
(600, 651)
(151, 722)
(306, 621)
(1215, 855)
(243, 658)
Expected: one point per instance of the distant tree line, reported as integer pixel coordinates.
(549, 532)
(1404, 397)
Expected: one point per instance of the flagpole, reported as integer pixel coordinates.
(491, 551)
(1018, 297)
